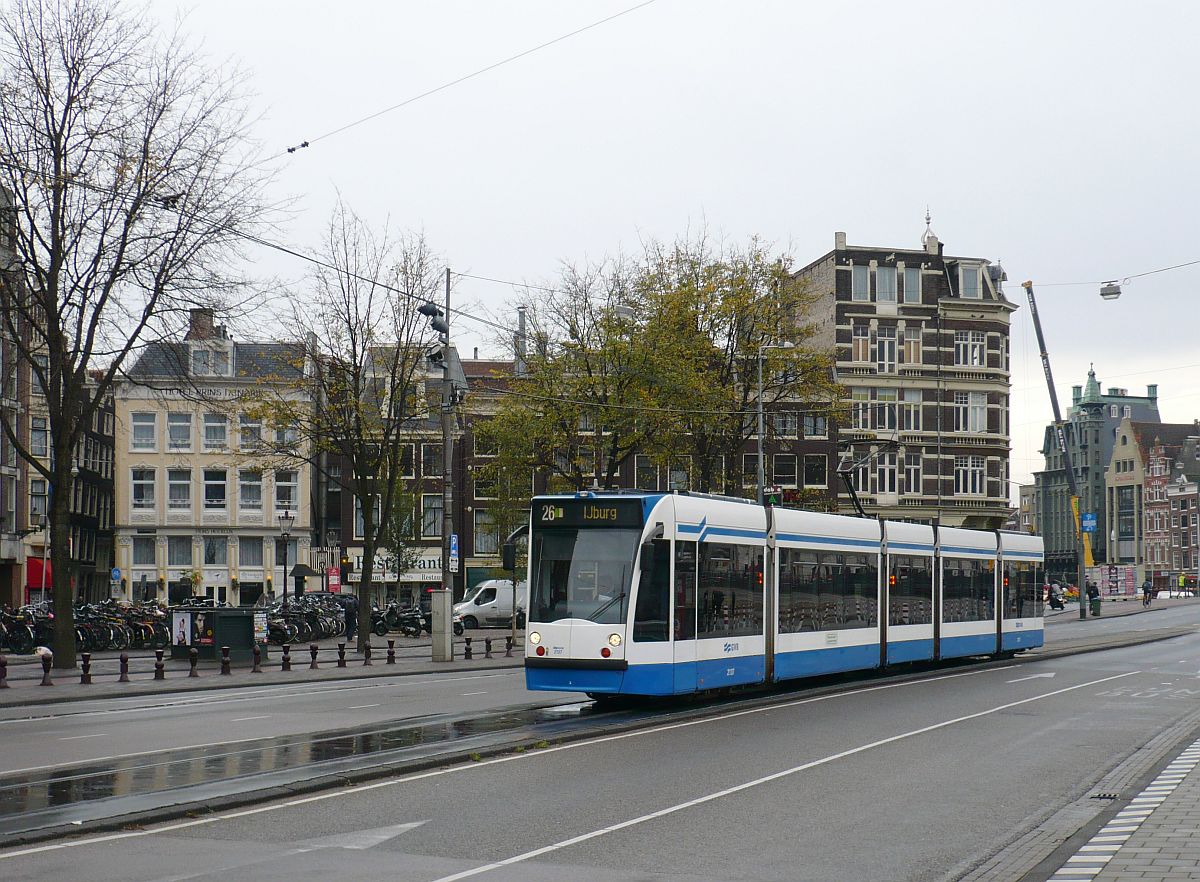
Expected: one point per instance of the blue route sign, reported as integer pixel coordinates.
(1088, 521)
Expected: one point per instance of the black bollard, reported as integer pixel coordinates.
(366, 654)
(257, 669)
(225, 661)
(85, 669)
(391, 656)
(3, 672)
(286, 665)
(124, 678)
(487, 647)
(312, 651)
(508, 646)
(193, 658)
(467, 652)
(160, 668)
(341, 655)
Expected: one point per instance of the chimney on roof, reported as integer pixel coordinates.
(839, 241)
(1076, 394)
(475, 356)
(200, 324)
(1152, 390)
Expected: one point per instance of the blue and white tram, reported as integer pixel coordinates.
(669, 594)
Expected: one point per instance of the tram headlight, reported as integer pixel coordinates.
(535, 638)
(614, 639)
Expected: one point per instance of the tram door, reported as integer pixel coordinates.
(683, 600)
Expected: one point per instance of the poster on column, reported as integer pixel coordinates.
(181, 628)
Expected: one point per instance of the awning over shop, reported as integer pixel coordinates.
(33, 573)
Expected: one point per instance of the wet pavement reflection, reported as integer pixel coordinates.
(38, 799)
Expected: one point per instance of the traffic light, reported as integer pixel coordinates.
(347, 569)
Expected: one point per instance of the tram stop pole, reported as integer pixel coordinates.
(443, 639)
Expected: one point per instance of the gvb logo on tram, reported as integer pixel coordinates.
(672, 594)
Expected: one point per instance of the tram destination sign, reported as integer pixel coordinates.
(587, 512)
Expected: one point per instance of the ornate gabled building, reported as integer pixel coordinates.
(1090, 429)
(922, 348)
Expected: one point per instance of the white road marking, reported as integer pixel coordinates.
(244, 719)
(81, 737)
(1031, 677)
(473, 693)
(361, 706)
(516, 757)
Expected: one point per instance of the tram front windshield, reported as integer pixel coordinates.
(582, 574)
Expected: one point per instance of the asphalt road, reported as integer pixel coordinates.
(46, 736)
(912, 779)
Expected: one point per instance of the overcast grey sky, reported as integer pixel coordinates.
(1057, 137)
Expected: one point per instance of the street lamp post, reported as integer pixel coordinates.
(762, 476)
(287, 520)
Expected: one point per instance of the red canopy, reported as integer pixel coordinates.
(33, 573)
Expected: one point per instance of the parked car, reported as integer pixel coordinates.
(490, 603)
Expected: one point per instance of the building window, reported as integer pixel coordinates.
(968, 475)
(1127, 411)
(860, 283)
(912, 474)
(250, 490)
(250, 551)
(679, 473)
(977, 412)
(39, 437)
(645, 473)
(214, 489)
(885, 409)
(38, 500)
(201, 362)
(885, 472)
(179, 551)
(860, 349)
(910, 411)
(784, 473)
(1113, 410)
(912, 284)
(360, 527)
(885, 284)
(487, 539)
(216, 551)
(179, 489)
(431, 460)
(407, 461)
(815, 425)
(250, 432)
(912, 345)
(431, 515)
(143, 431)
(786, 424)
(861, 409)
(286, 437)
(749, 469)
(143, 489)
(143, 551)
(816, 470)
(885, 348)
(216, 432)
(287, 490)
(969, 282)
(179, 431)
(970, 348)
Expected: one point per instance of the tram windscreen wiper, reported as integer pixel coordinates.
(604, 608)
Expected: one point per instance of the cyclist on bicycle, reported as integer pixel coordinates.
(1147, 593)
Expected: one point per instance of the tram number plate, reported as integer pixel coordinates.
(830, 638)
(731, 647)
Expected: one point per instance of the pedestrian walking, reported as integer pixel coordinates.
(351, 607)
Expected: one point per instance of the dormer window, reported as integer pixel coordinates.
(210, 362)
(969, 282)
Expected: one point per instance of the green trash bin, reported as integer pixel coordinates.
(1095, 604)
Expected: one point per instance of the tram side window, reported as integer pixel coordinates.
(967, 590)
(862, 591)
(654, 594)
(910, 590)
(685, 590)
(1022, 591)
(730, 590)
(799, 592)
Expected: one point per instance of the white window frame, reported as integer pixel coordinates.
(431, 527)
(885, 284)
(216, 432)
(184, 504)
(860, 293)
(223, 483)
(249, 432)
(247, 479)
(141, 419)
(175, 421)
(245, 542)
(886, 350)
(825, 463)
(912, 345)
(885, 472)
(138, 478)
(970, 285)
(292, 502)
(912, 296)
(913, 474)
(780, 477)
(39, 437)
(486, 539)
(860, 344)
(910, 411)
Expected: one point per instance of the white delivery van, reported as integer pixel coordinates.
(490, 603)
